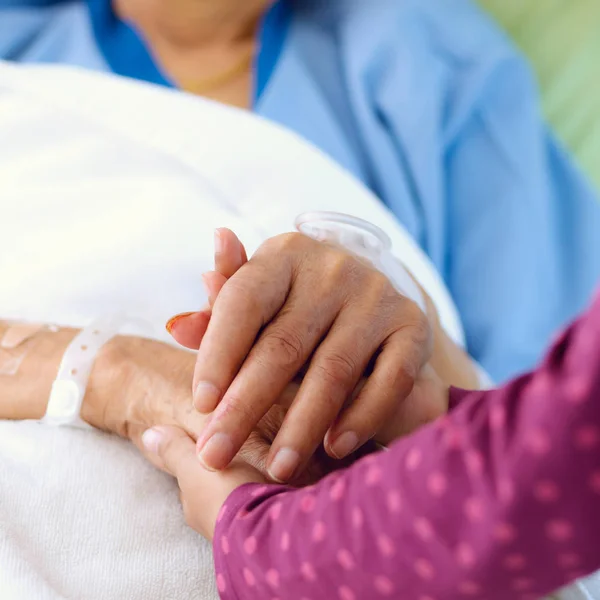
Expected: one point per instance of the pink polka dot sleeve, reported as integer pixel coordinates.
(499, 499)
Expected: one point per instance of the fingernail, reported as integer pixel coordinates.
(284, 464)
(206, 397)
(151, 439)
(345, 444)
(217, 452)
(218, 242)
(176, 318)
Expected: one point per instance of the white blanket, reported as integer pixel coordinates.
(109, 195)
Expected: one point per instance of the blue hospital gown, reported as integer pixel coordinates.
(427, 103)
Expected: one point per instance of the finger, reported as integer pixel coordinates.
(255, 452)
(333, 374)
(230, 253)
(276, 357)
(188, 329)
(213, 283)
(244, 305)
(391, 382)
(171, 449)
(136, 434)
(427, 402)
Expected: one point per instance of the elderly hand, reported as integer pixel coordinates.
(138, 383)
(204, 492)
(301, 306)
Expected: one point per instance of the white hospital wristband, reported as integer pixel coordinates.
(68, 389)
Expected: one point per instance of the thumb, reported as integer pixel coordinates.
(170, 449)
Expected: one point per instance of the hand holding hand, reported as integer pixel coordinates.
(303, 307)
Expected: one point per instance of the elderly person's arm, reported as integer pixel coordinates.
(134, 381)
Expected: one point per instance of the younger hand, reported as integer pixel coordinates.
(298, 302)
(202, 492)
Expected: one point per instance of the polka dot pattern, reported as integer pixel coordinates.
(505, 533)
(221, 583)
(373, 476)
(515, 562)
(474, 461)
(594, 482)
(250, 545)
(386, 545)
(308, 503)
(465, 555)
(546, 491)
(559, 530)
(346, 560)
(474, 509)
(384, 586)
(275, 511)
(394, 501)
(424, 569)
(569, 560)
(424, 529)
(318, 532)
(272, 578)
(453, 510)
(346, 593)
(308, 571)
(224, 545)
(413, 459)
(357, 518)
(538, 442)
(587, 437)
(338, 490)
(437, 484)
(469, 588)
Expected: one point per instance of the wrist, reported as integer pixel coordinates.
(220, 489)
(109, 377)
(139, 381)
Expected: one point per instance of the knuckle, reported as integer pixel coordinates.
(242, 291)
(419, 330)
(337, 368)
(270, 424)
(285, 242)
(282, 346)
(168, 450)
(406, 371)
(422, 328)
(339, 265)
(255, 452)
(382, 299)
(239, 412)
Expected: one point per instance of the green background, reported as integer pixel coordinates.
(561, 38)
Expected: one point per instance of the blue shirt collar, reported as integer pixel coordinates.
(126, 53)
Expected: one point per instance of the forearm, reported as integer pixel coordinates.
(133, 381)
(24, 391)
(498, 498)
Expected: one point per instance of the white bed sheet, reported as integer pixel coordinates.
(109, 194)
